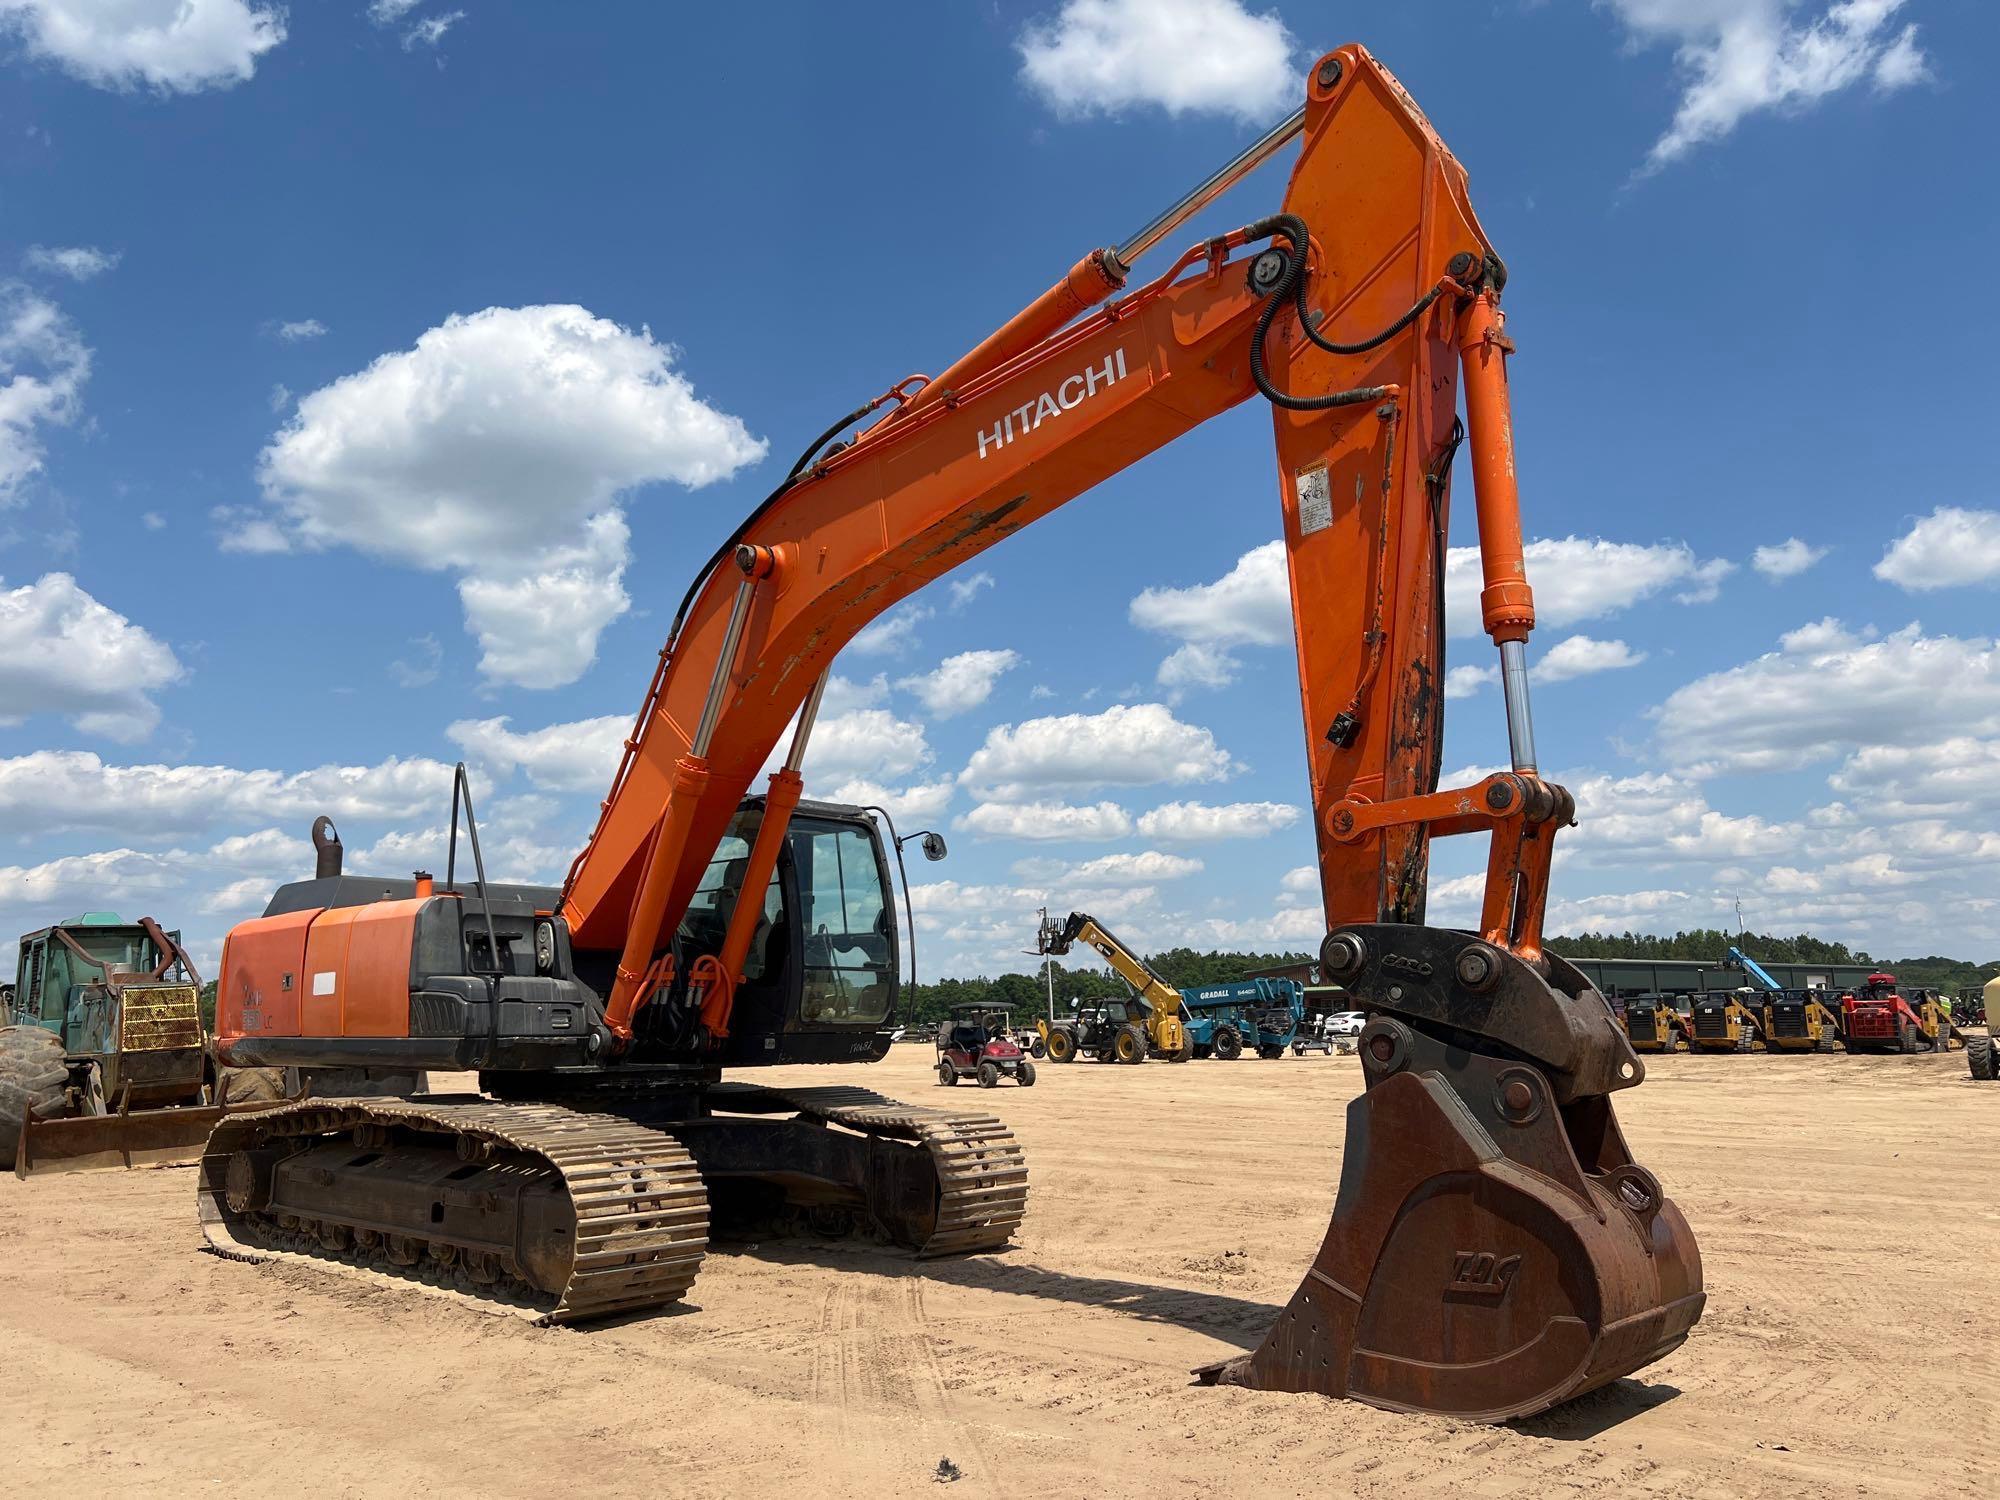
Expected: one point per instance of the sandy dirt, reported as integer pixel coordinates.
(1849, 1221)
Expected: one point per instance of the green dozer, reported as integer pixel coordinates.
(104, 1060)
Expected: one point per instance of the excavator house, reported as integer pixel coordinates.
(1494, 1247)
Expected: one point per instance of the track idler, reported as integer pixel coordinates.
(1494, 1248)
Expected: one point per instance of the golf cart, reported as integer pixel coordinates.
(978, 1042)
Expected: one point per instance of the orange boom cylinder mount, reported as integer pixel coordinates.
(1494, 1247)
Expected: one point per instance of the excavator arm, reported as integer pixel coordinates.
(1376, 235)
(1494, 1247)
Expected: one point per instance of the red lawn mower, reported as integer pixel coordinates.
(978, 1043)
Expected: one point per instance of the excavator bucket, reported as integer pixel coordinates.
(1494, 1248)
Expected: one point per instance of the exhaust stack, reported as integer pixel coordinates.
(326, 848)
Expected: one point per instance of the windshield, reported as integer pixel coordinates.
(849, 940)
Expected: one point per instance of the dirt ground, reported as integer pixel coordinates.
(1846, 1209)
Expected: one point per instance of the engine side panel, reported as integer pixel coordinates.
(263, 970)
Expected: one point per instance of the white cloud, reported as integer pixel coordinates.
(1200, 822)
(496, 433)
(1579, 656)
(1048, 822)
(62, 652)
(1183, 56)
(389, 12)
(422, 666)
(908, 805)
(152, 520)
(281, 397)
(1196, 666)
(843, 695)
(1744, 57)
(430, 31)
(169, 883)
(537, 624)
(960, 683)
(1250, 605)
(1826, 634)
(1788, 559)
(303, 329)
(172, 46)
(1463, 682)
(77, 262)
(43, 367)
(60, 790)
(1302, 880)
(1586, 578)
(965, 590)
(1138, 744)
(891, 635)
(1945, 549)
(1828, 691)
(581, 756)
(869, 744)
(1957, 777)
(1146, 868)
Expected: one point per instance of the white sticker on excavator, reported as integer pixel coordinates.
(1315, 500)
(323, 982)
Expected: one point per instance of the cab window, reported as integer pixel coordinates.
(849, 945)
(708, 913)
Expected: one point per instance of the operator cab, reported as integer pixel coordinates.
(822, 976)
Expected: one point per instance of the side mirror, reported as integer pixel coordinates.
(933, 847)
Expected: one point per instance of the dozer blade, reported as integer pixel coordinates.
(142, 1138)
(1494, 1248)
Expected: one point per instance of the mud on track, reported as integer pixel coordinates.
(1848, 1212)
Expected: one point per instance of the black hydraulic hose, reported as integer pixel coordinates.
(1293, 288)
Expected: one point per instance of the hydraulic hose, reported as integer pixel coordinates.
(1293, 288)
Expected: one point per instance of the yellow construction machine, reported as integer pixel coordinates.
(1148, 1025)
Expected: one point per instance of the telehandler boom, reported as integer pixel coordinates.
(1494, 1248)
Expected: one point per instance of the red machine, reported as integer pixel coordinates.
(1494, 1248)
(1878, 1018)
(977, 1042)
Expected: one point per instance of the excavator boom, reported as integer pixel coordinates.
(1493, 1250)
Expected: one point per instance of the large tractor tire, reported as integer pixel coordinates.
(1129, 1046)
(1183, 1052)
(1270, 1052)
(1983, 1058)
(1228, 1045)
(33, 1075)
(1062, 1046)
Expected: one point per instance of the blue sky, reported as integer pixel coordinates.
(373, 376)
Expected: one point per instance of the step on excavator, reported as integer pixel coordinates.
(1494, 1247)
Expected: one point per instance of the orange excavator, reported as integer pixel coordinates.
(1494, 1249)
